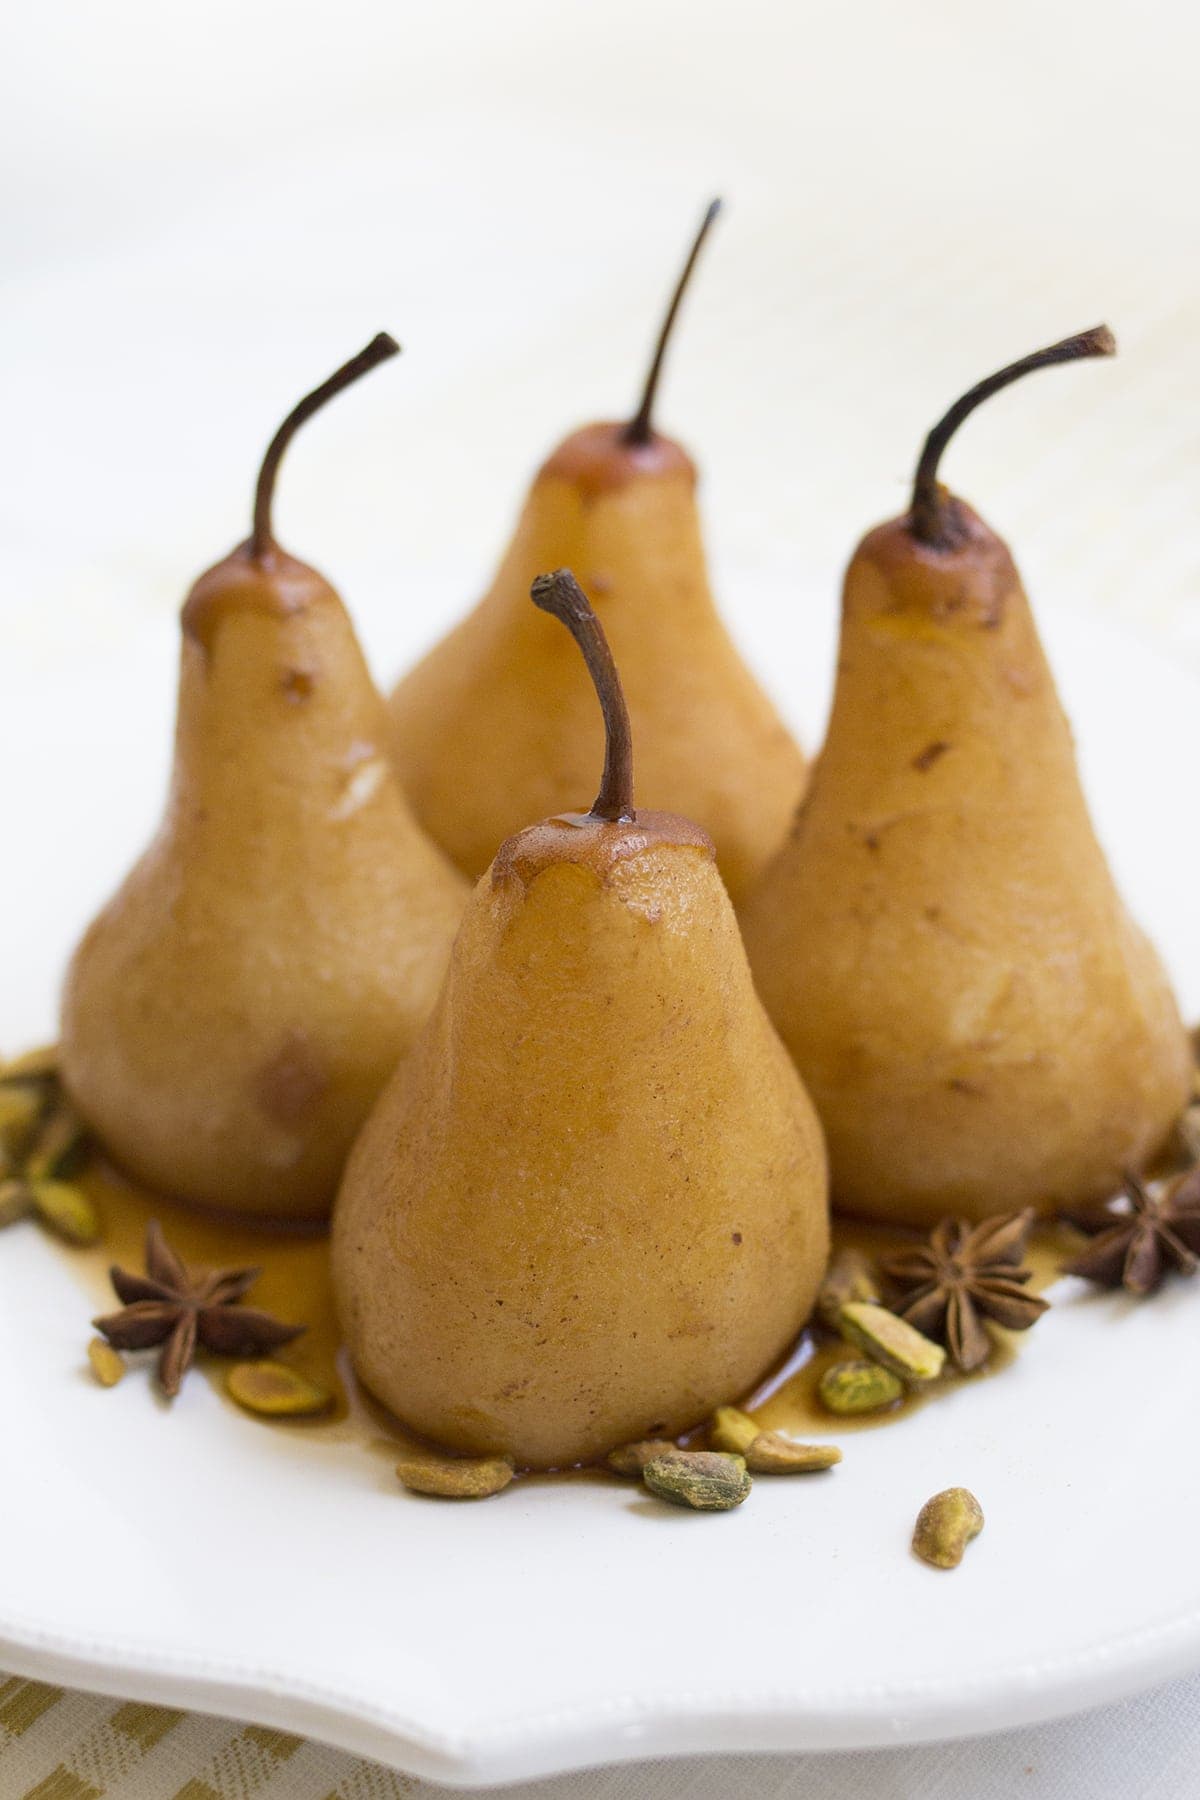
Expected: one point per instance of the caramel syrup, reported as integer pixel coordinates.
(295, 1286)
(787, 1399)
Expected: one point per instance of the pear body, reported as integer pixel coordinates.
(940, 942)
(591, 1204)
(233, 1012)
(624, 517)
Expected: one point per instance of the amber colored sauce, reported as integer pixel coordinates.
(788, 1400)
(295, 1285)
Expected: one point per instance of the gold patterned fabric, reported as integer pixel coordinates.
(60, 1745)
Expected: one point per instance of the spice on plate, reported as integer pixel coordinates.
(185, 1309)
(964, 1275)
(1138, 1238)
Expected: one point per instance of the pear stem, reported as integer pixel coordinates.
(931, 520)
(639, 429)
(378, 350)
(560, 594)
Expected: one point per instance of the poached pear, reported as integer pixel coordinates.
(233, 1012)
(940, 942)
(591, 1204)
(618, 503)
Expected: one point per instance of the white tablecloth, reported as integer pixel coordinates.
(208, 206)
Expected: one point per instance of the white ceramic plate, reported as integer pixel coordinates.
(194, 1558)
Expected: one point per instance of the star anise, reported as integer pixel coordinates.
(966, 1274)
(182, 1309)
(1137, 1238)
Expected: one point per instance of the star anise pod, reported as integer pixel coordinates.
(182, 1309)
(964, 1275)
(1137, 1238)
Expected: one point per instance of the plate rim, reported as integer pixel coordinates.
(540, 1744)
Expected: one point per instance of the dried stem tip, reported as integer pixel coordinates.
(932, 517)
(560, 594)
(378, 350)
(640, 429)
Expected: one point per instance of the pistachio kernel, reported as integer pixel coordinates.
(945, 1526)
(706, 1480)
(849, 1277)
(66, 1210)
(16, 1201)
(859, 1387)
(890, 1341)
(60, 1148)
(732, 1429)
(108, 1365)
(20, 1109)
(455, 1478)
(631, 1459)
(33, 1065)
(275, 1391)
(773, 1454)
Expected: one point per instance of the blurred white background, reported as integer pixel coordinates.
(206, 206)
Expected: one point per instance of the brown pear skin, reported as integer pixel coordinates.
(617, 502)
(233, 1012)
(980, 1023)
(592, 1203)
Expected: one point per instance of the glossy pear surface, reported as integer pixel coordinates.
(592, 1203)
(233, 1012)
(979, 1021)
(710, 743)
